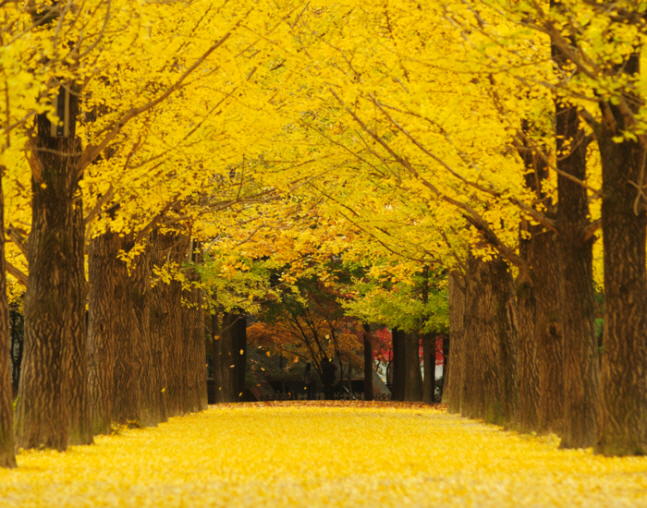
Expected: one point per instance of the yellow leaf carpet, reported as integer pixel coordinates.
(319, 454)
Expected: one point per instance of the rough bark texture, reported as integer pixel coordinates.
(172, 248)
(529, 391)
(80, 431)
(577, 296)
(453, 380)
(159, 351)
(490, 376)
(126, 395)
(624, 361)
(43, 413)
(194, 333)
(151, 409)
(507, 335)
(368, 363)
(548, 332)
(102, 257)
(7, 453)
(412, 375)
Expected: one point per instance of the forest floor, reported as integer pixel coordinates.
(322, 454)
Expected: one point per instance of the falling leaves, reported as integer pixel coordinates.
(322, 454)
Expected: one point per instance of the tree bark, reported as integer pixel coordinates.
(7, 452)
(412, 375)
(194, 332)
(102, 257)
(151, 410)
(577, 296)
(624, 360)
(398, 364)
(368, 363)
(240, 353)
(51, 313)
(453, 380)
(126, 394)
(529, 391)
(507, 335)
(429, 362)
(229, 361)
(80, 432)
(490, 378)
(172, 248)
(546, 280)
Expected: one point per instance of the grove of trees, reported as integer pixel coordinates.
(169, 168)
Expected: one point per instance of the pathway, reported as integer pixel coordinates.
(293, 454)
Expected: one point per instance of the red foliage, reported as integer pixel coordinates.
(383, 347)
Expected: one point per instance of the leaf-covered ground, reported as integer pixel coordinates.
(362, 454)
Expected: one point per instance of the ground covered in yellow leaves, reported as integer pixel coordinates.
(362, 454)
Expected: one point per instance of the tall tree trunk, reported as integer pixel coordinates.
(126, 394)
(172, 248)
(577, 296)
(80, 431)
(507, 335)
(368, 363)
(479, 301)
(624, 361)
(413, 375)
(546, 277)
(102, 257)
(43, 413)
(453, 380)
(7, 453)
(490, 377)
(194, 332)
(150, 404)
(529, 391)
(159, 351)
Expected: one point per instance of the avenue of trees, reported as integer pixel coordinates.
(170, 168)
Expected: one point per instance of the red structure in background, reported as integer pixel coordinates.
(383, 347)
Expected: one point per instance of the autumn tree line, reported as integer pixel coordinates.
(501, 143)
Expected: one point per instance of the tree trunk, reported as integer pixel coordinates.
(490, 378)
(151, 402)
(453, 380)
(228, 351)
(102, 257)
(240, 353)
(577, 296)
(529, 391)
(413, 375)
(194, 332)
(546, 278)
(51, 312)
(172, 248)
(368, 363)
(624, 360)
(398, 364)
(126, 394)
(7, 453)
(479, 301)
(80, 432)
(159, 350)
(507, 335)
(429, 362)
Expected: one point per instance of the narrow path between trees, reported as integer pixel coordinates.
(314, 454)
